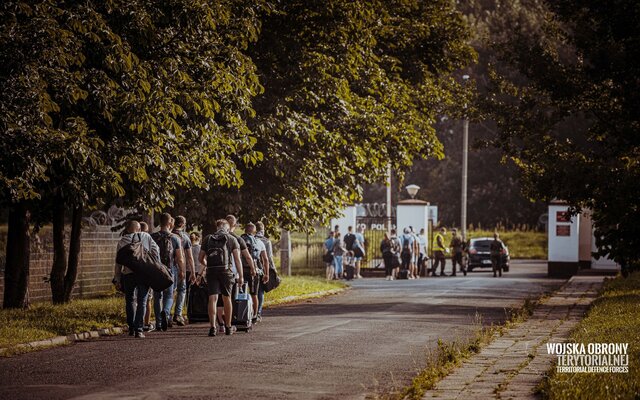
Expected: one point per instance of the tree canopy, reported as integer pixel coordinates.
(565, 99)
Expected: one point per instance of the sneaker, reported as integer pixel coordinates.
(359, 276)
(179, 320)
(259, 318)
(254, 320)
(229, 330)
(164, 324)
(213, 331)
(131, 331)
(140, 335)
(169, 322)
(221, 328)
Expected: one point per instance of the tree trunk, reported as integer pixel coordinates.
(74, 253)
(56, 279)
(16, 273)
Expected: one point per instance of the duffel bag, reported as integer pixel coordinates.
(274, 281)
(147, 270)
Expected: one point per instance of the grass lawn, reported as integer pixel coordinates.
(44, 320)
(613, 318)
(522, 244)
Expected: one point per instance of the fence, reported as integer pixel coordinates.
(95, 268)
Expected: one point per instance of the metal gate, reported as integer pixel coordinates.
(374, 230)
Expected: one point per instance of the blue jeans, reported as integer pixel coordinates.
(337, 260)
(181, 294)
(260, 298)
(135, 293)
(162, 301)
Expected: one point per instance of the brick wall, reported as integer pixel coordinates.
(95, 269)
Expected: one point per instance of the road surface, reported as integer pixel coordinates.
(368, 340)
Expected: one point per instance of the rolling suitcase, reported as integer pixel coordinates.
(197, 307)
(349, 272)
(242, 309)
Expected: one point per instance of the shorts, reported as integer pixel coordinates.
(220, 281)
(252, 281)
(220, 302)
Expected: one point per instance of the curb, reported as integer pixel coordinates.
(84, 336)
(62, 340)
(314, 295)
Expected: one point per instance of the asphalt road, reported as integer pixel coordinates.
(369, 340)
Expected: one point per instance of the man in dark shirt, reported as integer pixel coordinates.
(220, 277)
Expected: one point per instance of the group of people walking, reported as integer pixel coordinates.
(220, 260)
(404, 255)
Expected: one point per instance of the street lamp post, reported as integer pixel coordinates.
(465, 156)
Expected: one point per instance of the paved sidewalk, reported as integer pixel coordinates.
(513, 364)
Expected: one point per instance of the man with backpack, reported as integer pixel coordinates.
(260, 235)
(216, 254)
(172, 257)
(407, 241)
(259, 255)
(135, 293)
(182, 287)
(355, 242)
(386, 248)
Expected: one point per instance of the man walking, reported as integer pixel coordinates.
(135, 293)
(456, 252)
(496, 248)
(327, 256)
(422, 253)
(439, 250)
(216, 254)
(359, 250)
(172, 257)
(182, 286)
(259, 253)
(407, 243)
(260, 235)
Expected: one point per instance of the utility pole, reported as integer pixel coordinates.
(389, 198)
(465, 156)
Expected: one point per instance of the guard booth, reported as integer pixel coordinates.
(571, 243)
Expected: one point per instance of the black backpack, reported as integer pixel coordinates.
(349, 240)
(217, 251)
(253, 250)
(163, 240)
(386, 247)
(405, 245)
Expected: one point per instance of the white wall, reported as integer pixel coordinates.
(415, 215)
(563, 248)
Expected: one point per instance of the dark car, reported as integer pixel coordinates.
(479, 254)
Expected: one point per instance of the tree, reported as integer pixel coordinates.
(119, 99)
(571, 121)
(350, 88)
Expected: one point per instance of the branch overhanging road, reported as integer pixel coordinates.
(368, 340)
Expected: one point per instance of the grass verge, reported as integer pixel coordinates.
(614, 317)
(449, 355)
(293, 288)
(44, 320)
